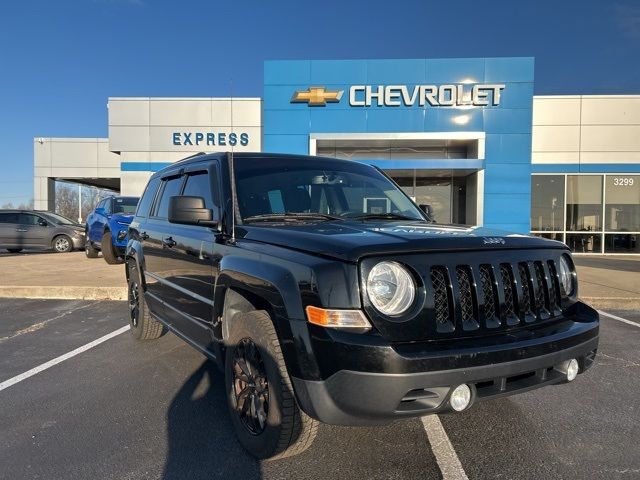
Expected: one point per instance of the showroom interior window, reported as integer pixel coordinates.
(602, 213)
(622, 214)
(547, 205)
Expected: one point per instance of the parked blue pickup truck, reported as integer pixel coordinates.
(107, 227)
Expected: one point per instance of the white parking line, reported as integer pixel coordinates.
(61, 358)
(620, 319)
(441, 447)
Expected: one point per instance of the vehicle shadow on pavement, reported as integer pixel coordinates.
(4, 253)
(201, 439)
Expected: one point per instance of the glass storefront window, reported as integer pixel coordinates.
(584, 203)
(547, 202)
(584, 242)
(404, 179)
(437, 193)
(625, 243)
(622, 209)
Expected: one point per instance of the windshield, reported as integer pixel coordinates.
(125, 205)
(58, 218)
(328, 187)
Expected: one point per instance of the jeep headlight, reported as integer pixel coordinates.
(391, 288)
(566, 277)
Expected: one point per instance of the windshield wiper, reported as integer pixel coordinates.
(383, 216)
(266, 217)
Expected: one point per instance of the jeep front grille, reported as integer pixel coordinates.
(494, 296)
(442, 296)
(489, 296)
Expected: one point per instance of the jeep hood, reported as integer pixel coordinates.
(353, 240)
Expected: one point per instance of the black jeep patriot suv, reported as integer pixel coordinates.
(325, 294)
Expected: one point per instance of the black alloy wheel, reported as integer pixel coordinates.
(250, 387)
(134, 303)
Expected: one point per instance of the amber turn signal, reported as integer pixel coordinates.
(345, 319)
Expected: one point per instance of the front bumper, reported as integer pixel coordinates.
(78, 241)
(492, 368)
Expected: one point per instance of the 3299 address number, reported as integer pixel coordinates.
(623, 181)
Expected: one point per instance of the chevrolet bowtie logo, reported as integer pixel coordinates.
(317, 96)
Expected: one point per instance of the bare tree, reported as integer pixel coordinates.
(66, 200)
(90, 198)
(26, 205)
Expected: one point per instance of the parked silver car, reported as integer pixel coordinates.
(26, 229)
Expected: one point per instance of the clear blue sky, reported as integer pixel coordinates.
(60, 60)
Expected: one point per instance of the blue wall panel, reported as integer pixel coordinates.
(507, 120)
(510, 148)
(387, 72)
(287, 72)
(507, 162)
(503, 178)
(325, 72)
(508, 69)
(286, 122)
(448, 120)
(455, 70)
(323, 120)
(406, 120)
(285, 143)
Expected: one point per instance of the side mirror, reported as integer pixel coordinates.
(190, 211)
(42, 222)
(99, 211)
(427, 209)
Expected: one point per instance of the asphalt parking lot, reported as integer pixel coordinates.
(156, 410)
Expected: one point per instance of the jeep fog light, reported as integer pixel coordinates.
(460, 397)
(391, 288)
(570, 368)
(353, 320)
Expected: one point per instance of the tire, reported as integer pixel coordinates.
(143, 326)
(108, 252)
(62, 244)
(89, 250)
(14, 250)
(285, 430)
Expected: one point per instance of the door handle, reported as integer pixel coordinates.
(21, 230)
(169, 242)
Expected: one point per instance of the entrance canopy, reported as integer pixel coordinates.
(426, 150)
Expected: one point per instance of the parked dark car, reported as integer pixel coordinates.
(27, 229)
(106, 228)
(326, 295)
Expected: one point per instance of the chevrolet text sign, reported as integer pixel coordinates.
(478, 95)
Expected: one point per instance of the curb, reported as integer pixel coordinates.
(120, 293)
(613, 303)
(65, 293)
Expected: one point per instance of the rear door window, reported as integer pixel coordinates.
(29, 219)
(8, 217)
(144, 206)
(171, 188)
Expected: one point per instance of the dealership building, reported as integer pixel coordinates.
(466, 136)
